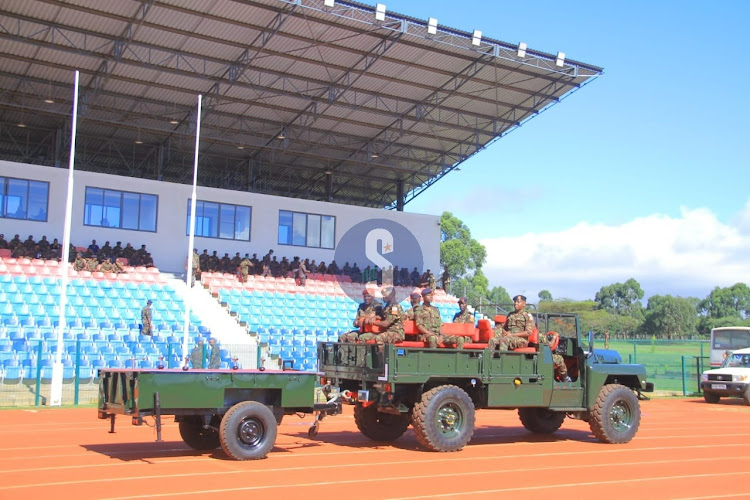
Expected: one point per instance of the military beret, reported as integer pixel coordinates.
(464, 300)
(522, 297)
(426, 291)
(415, 295)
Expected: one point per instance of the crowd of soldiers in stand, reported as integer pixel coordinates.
(95, 258)
(269, 265)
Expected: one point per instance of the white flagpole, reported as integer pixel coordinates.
(57, 367)
(191, 236)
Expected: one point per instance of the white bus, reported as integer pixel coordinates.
(728, 338)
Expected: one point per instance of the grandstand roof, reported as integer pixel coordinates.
(300, 99)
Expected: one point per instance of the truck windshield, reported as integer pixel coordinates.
(737, 360)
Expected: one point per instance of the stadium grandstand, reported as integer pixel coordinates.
(317, 116)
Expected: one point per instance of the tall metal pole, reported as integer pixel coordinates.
(57, 367)
(191, 236)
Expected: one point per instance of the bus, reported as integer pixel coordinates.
(728, 338)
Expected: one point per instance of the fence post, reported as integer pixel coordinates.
(38, 373)
(684, 382)
(635, 352)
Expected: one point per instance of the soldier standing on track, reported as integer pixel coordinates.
(515, 332)
(463, 316)
(146, 319)
(393, 320)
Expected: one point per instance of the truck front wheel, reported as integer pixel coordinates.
(195, 436)
(380, 426)
(710, 397)
(616, 414)
(541, 420)
(444, 419)
(248, 431)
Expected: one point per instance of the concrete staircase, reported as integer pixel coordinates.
(224, 327)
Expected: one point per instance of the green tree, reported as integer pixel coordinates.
(621, 298)
(544, 295)
(458, 250)
(499, 295)
(730, 302)
(668, 317)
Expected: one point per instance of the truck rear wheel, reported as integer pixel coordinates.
(541, 420)
(444, 419)
(248, 431)
(195, 436)
(380, 426)
(616, 414)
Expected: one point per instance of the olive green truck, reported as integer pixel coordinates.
(436, 391)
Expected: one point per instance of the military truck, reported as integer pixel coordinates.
(238, 410)
(437, 391)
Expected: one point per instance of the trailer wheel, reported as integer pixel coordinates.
(248, 431)
(541, 420)
(444, 419)
(380, 426)
(616, 414)
(195, 436)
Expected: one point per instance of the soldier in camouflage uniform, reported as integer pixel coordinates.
(214, 360)
(245, 266)
(392, 320)
(416, 302)
(80, 262)
(429, 322)
(146, 319)
(463, 315)
(515, 332)
(367, 310)
(196, 355)
(561, 370)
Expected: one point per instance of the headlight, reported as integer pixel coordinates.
(740, 378)
(704, 376)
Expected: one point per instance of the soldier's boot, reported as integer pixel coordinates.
(565, 378)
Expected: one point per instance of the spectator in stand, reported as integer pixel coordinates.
(347, 269)
(14, 243)
(414, 277)
(117, 250)
(446, 279)
(266, 266)
(106, 266)
(146, 319)
(404, 276)
(356, 273)
(213, 262)
(3, 242)
(284, 267)
(72, 253)
(225, 264)
(322, 268)
(55, 250)
(128, 252)
(301, 277)
(234, 264)
(257, 268)
(29, 244)
(196, 267)
(80, 263)
(333, 268)
(93, 247)
(463, 315)
(203, 260)
(245, 267)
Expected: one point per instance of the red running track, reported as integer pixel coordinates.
(684, 449)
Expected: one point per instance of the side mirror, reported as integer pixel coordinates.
(591, 344)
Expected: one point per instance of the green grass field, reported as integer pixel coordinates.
(663, 362)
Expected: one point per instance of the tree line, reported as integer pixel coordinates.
(617, 309)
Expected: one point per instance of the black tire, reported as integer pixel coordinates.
(195, 436)
(616, 414)
(746, 396)
(710, 397)
(444, 419)
(380, 426)
(541, 420)
(248, 431)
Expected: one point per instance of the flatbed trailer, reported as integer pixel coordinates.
(238, 410)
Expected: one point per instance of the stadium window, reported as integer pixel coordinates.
(308, 230)
(120, 209)
(23, 199)
(220, 220)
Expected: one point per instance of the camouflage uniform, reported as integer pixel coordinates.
(363, 310)
(196, 356)
(146, 320)
(463, 317)
(215, 358)
(412, 313)
(428, 317)
(393, 313)
(517, 322)
(245, 266)
(561, 370)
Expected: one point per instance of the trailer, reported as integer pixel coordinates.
(237, 410)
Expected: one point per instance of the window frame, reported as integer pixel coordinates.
(220, 208)
(107, 195)
(299, 225)
(25, 199)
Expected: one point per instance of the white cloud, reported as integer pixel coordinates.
(686, 256)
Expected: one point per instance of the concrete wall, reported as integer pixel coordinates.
(168, 245)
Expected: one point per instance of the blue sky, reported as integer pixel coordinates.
(643, 173)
